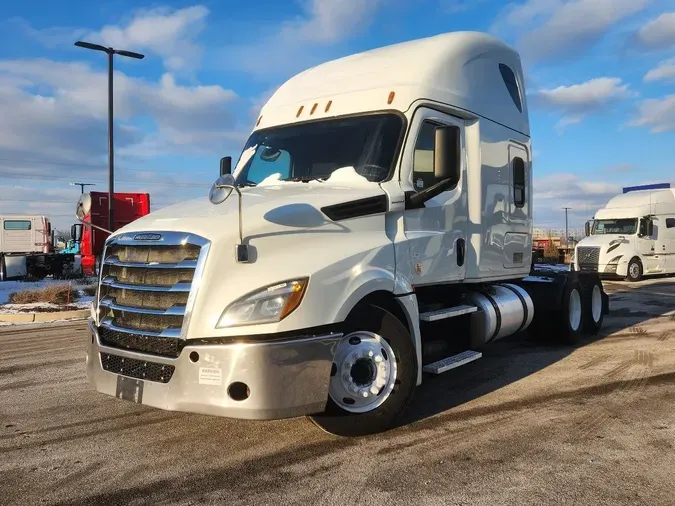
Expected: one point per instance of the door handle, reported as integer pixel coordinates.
(460, 251)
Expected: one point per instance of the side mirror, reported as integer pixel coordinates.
(587, 228)
(447, 151)
(447, 166)
(76, 233)
(83, 206)
(646, 228)
(226, 165)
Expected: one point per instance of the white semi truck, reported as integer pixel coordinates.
(28, 249)
(633, 236)
(376, 227)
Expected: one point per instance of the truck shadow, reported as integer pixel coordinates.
(517, 357)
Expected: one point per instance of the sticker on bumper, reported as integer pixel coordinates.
(210, 376)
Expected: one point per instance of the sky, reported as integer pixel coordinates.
(600, 79)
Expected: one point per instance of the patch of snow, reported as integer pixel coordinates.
(272, 179)
(9, 287)
(552, 267)
(43, 307)
(347, 175)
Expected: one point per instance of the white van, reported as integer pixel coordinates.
(632, 236)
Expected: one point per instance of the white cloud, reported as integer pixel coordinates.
(330, 21)
(52, 37)
(302, 41)
(555, 191)
(167, 33)
(656, 114)
(657, 34)
(71, 106)
(665, 71)
(577, 101)
(554, 29)
(459, 6)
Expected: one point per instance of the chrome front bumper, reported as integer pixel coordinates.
(281, 379)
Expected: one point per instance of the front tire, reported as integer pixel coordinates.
(634, 270)
(373, 377)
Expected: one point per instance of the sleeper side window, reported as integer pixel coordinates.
(17, 225)
(518, 167)
(511, 84)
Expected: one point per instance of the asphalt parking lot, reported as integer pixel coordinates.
(527, 424)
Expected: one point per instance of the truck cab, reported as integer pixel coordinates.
(632, 236)
(377, 226)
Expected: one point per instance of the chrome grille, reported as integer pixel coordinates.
(588, 258)
(146, 290)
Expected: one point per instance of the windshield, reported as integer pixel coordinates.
(315, 150)
(627, 226)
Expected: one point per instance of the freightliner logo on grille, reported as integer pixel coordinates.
(148, 237)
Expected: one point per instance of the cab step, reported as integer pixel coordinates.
(452, 362)
(447, 312)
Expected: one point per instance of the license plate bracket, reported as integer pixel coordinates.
(129, 389)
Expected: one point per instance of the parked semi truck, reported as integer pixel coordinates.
(89, 240)
(633, 236)
(27, 248)
(376, 228)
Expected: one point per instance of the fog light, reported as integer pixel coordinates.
(238, 391)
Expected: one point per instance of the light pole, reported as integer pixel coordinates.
(111, 157)
(82, 185)
(567, 236)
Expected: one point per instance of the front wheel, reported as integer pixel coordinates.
(634, 270)
(373, 376)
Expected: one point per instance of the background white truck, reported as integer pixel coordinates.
(377, 225)
(632, 236)
(28, 248)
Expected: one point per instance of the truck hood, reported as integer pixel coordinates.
(603, 241)
(283, 206)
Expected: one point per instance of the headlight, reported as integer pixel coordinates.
(267, 305)
(614, 260)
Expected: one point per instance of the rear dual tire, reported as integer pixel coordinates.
(373, 377)
(581, 311)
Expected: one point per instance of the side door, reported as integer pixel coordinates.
(515, 233)
(646, 246)
(668, 229)
(436, 233)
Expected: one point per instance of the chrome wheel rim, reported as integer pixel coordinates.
(575, 309)
(634, 270)
(364, 372)
(596, 304)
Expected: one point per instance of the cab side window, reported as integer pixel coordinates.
(423, 157)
